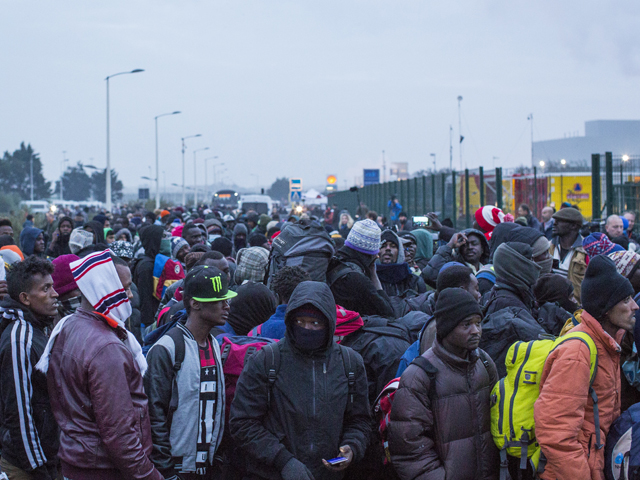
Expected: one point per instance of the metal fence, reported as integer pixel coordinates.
(612, 184)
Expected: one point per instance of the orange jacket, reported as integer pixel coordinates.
(563, 412)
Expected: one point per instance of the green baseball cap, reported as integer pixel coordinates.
(207, 284)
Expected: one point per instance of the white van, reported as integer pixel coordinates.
(257, 203)
(37, 206)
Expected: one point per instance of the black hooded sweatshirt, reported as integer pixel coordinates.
(309, 415)
(150, 237)
(61, 247)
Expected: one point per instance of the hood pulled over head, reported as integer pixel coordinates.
(319, 296)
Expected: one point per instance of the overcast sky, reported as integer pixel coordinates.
(309, 88)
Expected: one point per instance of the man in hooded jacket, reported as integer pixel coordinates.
(151, 238)
(392, 269)
(32, 242)
(311, 411)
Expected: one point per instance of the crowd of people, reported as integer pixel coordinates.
(200, 344)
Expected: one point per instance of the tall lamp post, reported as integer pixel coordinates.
(157, 163)
(184, 190)
(195, 176)
(108, 171)
(206, 177)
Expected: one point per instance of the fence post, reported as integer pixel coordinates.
(443, 180)
(596, 191)
(535, 191)
(481, 181)
(453, 197)
(608, 159)
(424, 194)
(499, 187)
(466, 197)
(415, 195)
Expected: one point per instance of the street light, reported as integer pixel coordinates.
(157, 163)
(206, 179)
(195, 176)
(542, 163)
(563, 161)
(434, 161)
(64, 161)
(108, 170)
(625, 158)
(184, 191)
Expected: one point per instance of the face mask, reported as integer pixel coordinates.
(309, 340)
(546, 265)
(69, 306)
(212, 237)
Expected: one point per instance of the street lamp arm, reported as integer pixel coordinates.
(137, 70)
(166, 114)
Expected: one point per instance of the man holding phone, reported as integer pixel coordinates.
(303, 401)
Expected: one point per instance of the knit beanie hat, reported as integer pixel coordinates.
(551, 288)
(177, 244)
(364, 237)
(452, 307)
(308, 310)
(488, 217)
(122, 249)
(603, 287)
(599, 244)
(63, 281)
(626, 262)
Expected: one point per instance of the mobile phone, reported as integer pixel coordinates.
(336, 461)
(421, 221)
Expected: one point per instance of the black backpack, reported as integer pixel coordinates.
(503, 328)
(306, 246)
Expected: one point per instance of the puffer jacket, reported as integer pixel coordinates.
(446, 433)
(563, 413)
(307, 413)
(98, 400)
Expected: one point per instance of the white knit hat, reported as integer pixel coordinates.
(364, 237)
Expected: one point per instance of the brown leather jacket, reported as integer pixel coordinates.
(451, 437)
(98, 399)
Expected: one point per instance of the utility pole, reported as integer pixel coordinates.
(434, 162)
(460, 127)
(384, 169)
(450, 148)
(530, 118)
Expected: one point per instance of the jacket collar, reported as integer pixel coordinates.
(461, 364)
(9, 312)
(594, 328)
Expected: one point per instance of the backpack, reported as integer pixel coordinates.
(306, 246)
(165, 273)
(234, 352)
(622, 450)
(152, 337)
(382, 405)
(501, 329)
(513, 397)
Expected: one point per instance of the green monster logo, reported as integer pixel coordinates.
(217, 283)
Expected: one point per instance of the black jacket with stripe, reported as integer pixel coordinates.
(28, 429)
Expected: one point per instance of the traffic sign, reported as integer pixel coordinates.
(295, 185)
(296, 196)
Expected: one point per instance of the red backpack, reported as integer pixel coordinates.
(234, 352)
(382, 412)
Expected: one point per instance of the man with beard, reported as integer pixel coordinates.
(60, 238)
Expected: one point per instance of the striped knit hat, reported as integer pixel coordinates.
(364, 237)
(598, 243)
(626, 262)
(488, 217)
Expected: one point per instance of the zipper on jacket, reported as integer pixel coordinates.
(313, 378)
(515, 389)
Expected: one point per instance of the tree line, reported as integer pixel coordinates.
(77, 184)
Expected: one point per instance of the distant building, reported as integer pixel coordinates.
(620, 137)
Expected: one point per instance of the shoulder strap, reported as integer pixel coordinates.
(349, 368)
(342, 269)
(593, 363)
(176, 334)
(272, 359)
(484, 358)
(430, 370)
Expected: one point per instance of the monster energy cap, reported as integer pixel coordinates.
(207, 284)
